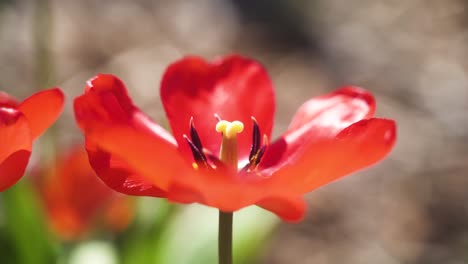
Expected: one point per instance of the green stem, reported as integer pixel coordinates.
(225, 238)
(228, 155)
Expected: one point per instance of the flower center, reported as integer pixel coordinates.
(228, 156)
(228, 152)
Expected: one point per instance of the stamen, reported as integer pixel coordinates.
(198, 155)
(258, 148)
(259, 155)
(228, 151)
(194, 135)
(255, 139)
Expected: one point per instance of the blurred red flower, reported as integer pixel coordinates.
(20, 124)
(330, 136)
(74, 198)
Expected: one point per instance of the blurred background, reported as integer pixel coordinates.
(412, 54)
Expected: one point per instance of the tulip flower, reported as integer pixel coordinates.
(21, 124)
(220, 152)
(74, 198)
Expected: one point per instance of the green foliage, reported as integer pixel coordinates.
(23, 231)
(192, 236)
(161, 233)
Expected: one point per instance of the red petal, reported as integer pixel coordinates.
(320, 118)
(12, 168)
(106, 100)
(15, 142)
(42, 109)
(159, 160)
(105, 104)
(233, 87)
(357, 146)
(289, 208)
(116, 174)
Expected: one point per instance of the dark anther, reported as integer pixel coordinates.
(255, 140)
(194, 136)
(259, 155)
(197, 153)
(258, 148)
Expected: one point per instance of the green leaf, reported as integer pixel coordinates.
(139, 242)
(25, 229)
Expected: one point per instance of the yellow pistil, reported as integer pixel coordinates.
(228, 153)
(229, 129)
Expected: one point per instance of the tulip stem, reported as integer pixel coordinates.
(228, 155)
(225, 238)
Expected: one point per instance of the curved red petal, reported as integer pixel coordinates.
(106, 100)
(357, 146)
(320, 118)
(42, 109)
(234, 87)
(335, 110)
(15, 142)
(160, 160)
(116, 174)
(105, 104)
(289, 208)
(12, 168)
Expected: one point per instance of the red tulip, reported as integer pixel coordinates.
(74, 198)
(330, 136)
(20, 124)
